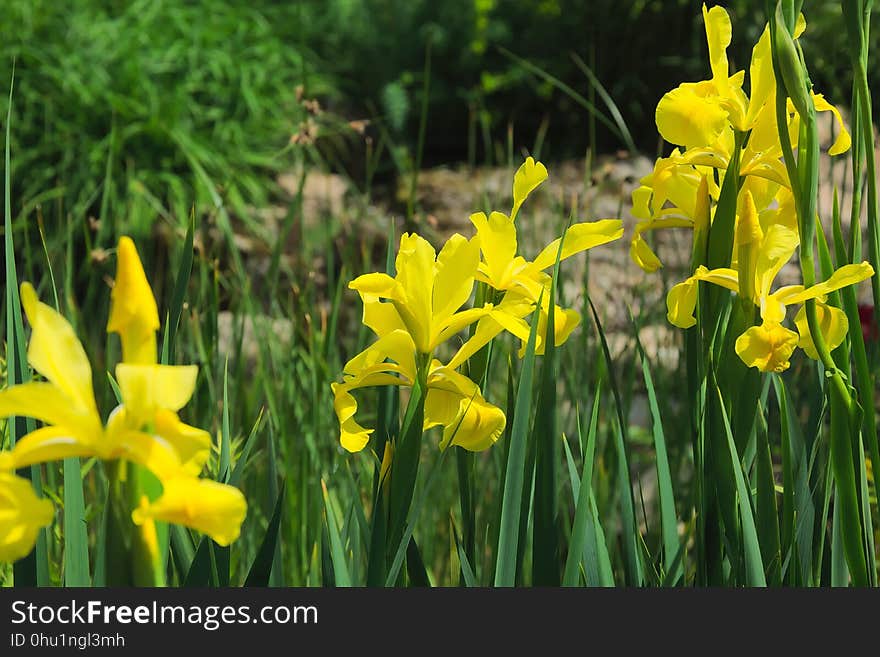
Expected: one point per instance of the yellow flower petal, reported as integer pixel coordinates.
(22, 515)
(580, 237)
(133, 312)
(209, 507)
(454, 402)
(146, 388)
(191, 444)
(686, 118)
(52, 443)
(47, 403)
(642, 254)
(525, 181)
(681, 301)
(832, 323)
(454, 276)
(843, 141)
(718, 36)
(497, 235)
(846, 275)
(777, 248)
(380, 316)
(767, 347)
(56, 353)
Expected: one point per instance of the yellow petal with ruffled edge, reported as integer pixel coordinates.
(147, 388)
(191, 444)
(56, 353)
(212, 508)
(133, 312)
(843, 141)
(767, 347)
(22, 516)
(497, 234)
(686, 118)
(579, 237)
(455, 403)
(526, 179)
(832, 323)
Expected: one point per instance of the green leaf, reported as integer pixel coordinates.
(754, 564)
(508, 539)
(76, 539)
(337, 550)
(261, 569)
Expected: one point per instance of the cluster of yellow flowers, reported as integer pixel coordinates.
(143, 429)
(421, 307)
(716, 127)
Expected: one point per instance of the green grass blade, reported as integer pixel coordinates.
(511, 505)
(76, 538)
(184, 271)
(629, 528)
(754, 564)
(337, 550)
(668, 520)
(261, 569)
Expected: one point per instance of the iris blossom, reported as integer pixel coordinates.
(769, 345)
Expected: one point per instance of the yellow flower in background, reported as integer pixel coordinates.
(22, 515)
(502, 269)
(762, 256)
(212, 508)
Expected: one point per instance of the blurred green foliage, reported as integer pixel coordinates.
(141, 109)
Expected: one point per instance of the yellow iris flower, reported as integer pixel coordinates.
(503, 270)
(421, 310)
(703, 118)
(762, 255)
(144, 429)
(22, 515)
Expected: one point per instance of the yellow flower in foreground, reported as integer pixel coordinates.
(22, 515)
(207, 506)
(769, 346)
(66, 403)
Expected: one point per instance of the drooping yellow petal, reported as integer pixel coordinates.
(455, 403)
(843, 141)
(506, 316)
(642, 254)
(22, 516)
(209, 507)
(767, 347)
(396, 346)
(497, 235)
(56, 353)
(681, 302)
(526, 179)
(580, 237)
(686, 118)
(133, 312)
(191, 444)
(146, 388)
(832, 323)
